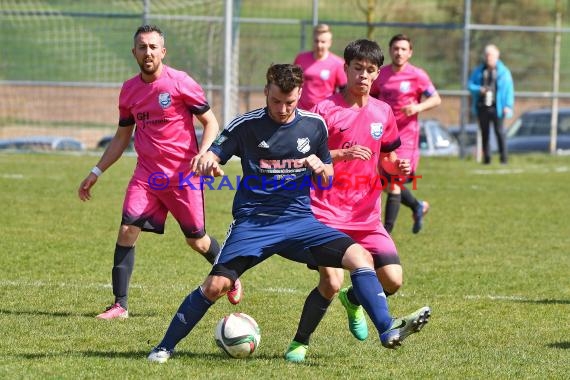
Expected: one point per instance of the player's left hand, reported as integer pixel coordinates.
(391, 164)
(404, 166)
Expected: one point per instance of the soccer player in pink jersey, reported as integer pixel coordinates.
(323, 70)
(161, 103)
(362, 138)
(409, 91)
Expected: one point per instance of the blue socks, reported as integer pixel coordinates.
(365, 285)
(371, 296)
(192, 309)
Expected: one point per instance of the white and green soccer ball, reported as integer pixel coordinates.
(238, 335)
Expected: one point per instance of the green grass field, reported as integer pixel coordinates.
(492, 261)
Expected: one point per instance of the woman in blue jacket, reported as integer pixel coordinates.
(493, 97)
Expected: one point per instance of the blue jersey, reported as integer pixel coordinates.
(274, 180)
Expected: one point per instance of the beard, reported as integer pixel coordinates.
(148, 70)
(279, 118)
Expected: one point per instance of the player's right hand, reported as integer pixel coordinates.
(84, 190)
(357, 152)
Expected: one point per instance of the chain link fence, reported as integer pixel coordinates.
(64, 62)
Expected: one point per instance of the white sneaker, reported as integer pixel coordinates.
(403, 327)
(159, 355)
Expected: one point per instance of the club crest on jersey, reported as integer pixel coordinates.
(303, 145)
(376, 130)
(164, 99)
(405, 86)
(325, 74)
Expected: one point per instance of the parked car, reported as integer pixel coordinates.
(531, 131)
(470, 137)
(42, 143)
(435, 140)
(105, 140)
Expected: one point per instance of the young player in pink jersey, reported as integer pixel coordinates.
(323, 70)
(409, 91)
(362, 138)
(161, 103)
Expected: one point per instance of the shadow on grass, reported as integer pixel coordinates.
(66, 313)
(546, 302)
(141, 355)
(89, 353)
(563, 345)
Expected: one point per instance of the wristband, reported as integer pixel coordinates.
(96, 171)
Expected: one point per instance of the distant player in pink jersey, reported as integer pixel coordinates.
(409, 91)
(161, 103)
(323, 70)
(362, 138)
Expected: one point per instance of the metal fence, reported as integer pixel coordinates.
(63, 62)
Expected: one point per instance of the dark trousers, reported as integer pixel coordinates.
(488, 115)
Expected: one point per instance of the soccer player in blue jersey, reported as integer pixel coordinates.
(283, 150)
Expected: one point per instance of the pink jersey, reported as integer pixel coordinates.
(163, 110)
(322, 77)
(399, 89)
(353, 202)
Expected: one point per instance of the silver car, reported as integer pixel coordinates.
(435, 140)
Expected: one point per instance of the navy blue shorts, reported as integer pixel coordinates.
(299, 238)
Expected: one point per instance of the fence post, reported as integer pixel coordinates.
(555, 80)
(146, 11)
(228, 58)
(464, 77)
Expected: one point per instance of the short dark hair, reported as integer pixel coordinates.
(401, 37)
(364, 49)
(149, 29)
(285, 76)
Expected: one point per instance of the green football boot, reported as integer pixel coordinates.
(356, 320)
(296, 352)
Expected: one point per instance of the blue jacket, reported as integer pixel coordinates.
(505, 96)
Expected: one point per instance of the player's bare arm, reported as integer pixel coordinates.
(209, 164)
(211, 130)
(113, 152)
(430, 102)
(355, 152)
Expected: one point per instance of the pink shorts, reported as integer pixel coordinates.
(379, 243)
(147, 208)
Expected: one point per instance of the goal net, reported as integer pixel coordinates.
(63, 62)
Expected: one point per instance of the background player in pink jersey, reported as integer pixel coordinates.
(362, 138)
(323, 70)
(409, 91)
(161, 103)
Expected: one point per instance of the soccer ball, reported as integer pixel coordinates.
(237, 335)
